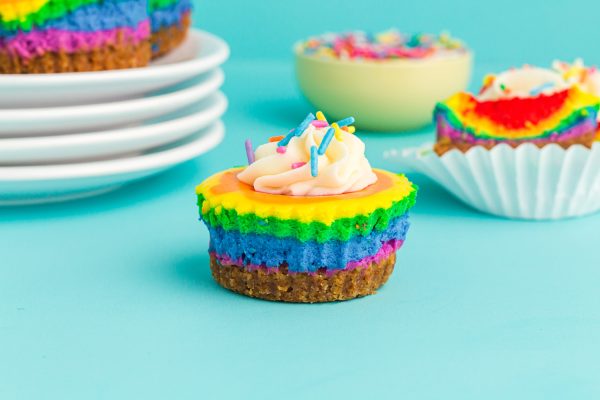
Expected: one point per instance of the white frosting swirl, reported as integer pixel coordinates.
(523, 83)
(588, 78)
(342, 169)
(591, 83)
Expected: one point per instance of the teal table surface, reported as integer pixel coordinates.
(112, 298)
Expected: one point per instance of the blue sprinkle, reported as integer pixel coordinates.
(537, 90)
(345, 122)
(287, 138)
(304, 124)
(313, 161)
(326, 140)
(298, 131)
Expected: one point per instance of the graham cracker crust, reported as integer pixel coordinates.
(318, 287)
(445, 144)
(119, 56)
(168, 38)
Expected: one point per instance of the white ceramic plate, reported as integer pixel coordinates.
(200, 53)
(106, 144)
(43, 184)
(61, 120)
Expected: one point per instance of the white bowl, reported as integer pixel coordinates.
(200, 53)
(111, 143)
(43, 184)
(72, 119)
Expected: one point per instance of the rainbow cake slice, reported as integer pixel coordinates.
(46, 36)
(308, 220)
(170, 22)
(565, 117)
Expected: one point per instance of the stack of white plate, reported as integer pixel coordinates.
(65, 136)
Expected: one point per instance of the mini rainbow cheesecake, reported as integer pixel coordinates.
(47, 36)
(170, 22)
(308, 220)
(526, 105)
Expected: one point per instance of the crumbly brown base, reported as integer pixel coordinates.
(118, 56)
(303, 287)
(168, 38)
(445, 144)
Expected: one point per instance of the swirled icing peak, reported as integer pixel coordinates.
(314, 159)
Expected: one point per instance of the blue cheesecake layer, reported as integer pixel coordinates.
(309, 256)
(170, 15)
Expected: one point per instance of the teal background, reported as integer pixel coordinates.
(507, 33)
(112, 298)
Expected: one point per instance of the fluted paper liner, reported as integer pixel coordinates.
(526, 182)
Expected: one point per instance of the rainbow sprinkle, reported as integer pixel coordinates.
(314, 160)
(488, 81)
(538, 90)
(338, 133)
(297, 165)
(319, 124)
(304, 124)
(286, 139)
(298, 131)
(249, 151)
(345, 122)
(326, 140)
(381, 46)
(281, 149)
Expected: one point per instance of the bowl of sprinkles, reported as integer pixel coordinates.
(390, 81)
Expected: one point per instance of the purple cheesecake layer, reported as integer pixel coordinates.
(384, 252)
(445, 129)
(38, 42)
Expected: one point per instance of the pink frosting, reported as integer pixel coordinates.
(38, 42)
(384, 251)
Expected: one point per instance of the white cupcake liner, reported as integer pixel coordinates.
(524, 182)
